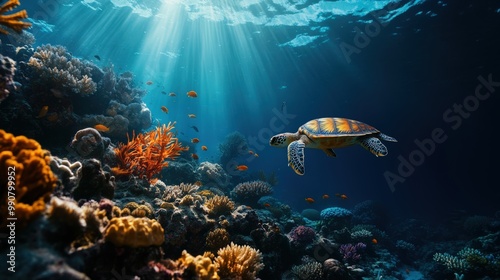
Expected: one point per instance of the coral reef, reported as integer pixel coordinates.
(250, 192)
(146, 154)
(134, 232)
(7, 70)
(238, 262)
(58, 70)
(29, 181)
(13, 21)
(219, 205)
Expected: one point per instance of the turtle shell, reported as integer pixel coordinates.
(335, 127)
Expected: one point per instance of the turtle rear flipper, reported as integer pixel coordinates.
(330, 152)
(296, 156)
(387, 137)
(374, 145)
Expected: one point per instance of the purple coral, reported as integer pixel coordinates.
(302, 235)
(351, 252)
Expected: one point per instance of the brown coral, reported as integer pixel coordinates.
(29, 181)
(13, 21)
(217, 239)
(146, 154)
(240, 262)
(219, 205)
(134, 232)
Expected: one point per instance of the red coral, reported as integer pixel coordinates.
(146, 154)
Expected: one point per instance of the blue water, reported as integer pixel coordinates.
(245, 59)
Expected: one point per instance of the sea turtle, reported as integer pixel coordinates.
(327, 134)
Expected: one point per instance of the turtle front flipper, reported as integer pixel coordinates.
(374, 145)
(387, 137)
(296, 156)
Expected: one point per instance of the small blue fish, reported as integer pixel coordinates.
(195, 128)
(283, 107)
(97, 57)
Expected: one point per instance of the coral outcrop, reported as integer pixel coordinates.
(147, 153)
(29, 181)
(13, 21)
(250, 192)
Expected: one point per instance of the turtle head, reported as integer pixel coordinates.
(282, 140)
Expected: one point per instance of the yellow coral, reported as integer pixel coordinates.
(146, 154)
(240, 262)
(13, 21)
(134, 232)
(217, 239)
(219, 205)
(29, 181)
(199, 267)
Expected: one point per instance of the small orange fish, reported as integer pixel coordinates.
(195, 156)
(341, 196)
(101, 128)
(192, 116)
(204, 148)
(309, 200)
(325, 196)
(251, 152)
(164, 109)
(149, 83)
(172, 94)
(198, 183)
(374, 241)
(241, 167)
(43, 112)
(195, 140)
(267, 205)
(192, 94)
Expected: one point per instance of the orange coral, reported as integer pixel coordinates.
(13, 21)
(29, 181)
(146, 154)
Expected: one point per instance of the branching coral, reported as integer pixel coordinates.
(240, 262)
(57, 69)
(219, 205)
(217, 239)
(186, 267)
(146, 154)
(308, 271)
(29, 181)
(134, 232)
(13, 21)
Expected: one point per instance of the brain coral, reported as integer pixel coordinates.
(29, 181)
(134, 232)
(238, 262)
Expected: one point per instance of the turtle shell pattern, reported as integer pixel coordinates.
(336, 132)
